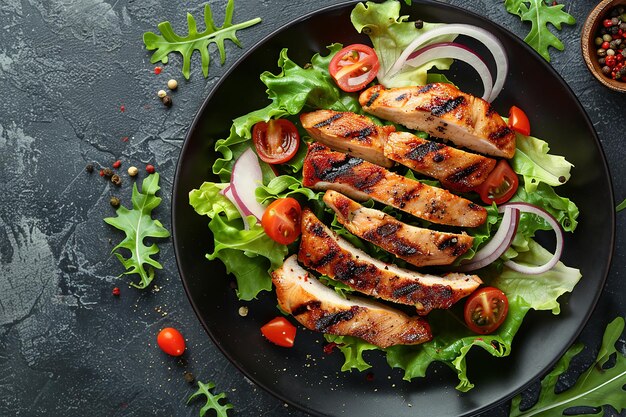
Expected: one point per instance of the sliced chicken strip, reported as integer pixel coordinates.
(443, 111)
(321, 309)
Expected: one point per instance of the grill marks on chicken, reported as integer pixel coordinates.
(325, 169)
(416, 245)
(349, 132)
(325, 252)
(443, 111)
(456, 169)
(320, 308)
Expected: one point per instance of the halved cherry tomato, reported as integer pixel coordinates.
(518, 121)
(354, 67)
(485, 310)
(280, 332)
(276, 141)
(171, 341)
(500, 185)
(281, 220)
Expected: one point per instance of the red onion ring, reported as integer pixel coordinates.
(498, 244)
(558, 251)
(244, 180)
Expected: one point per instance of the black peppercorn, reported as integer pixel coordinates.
(419, 24)
(167, 100)
(189, 378)
(115, 179)
(115, 202)
(562, 179)
(89, 168)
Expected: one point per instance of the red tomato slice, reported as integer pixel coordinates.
(354, 67)
(485, 310)
(518, 121)
(280, 332)
(281, 220)
(500, 185)
(171, 341)
(276, 141)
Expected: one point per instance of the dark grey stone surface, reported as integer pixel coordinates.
(67, 346)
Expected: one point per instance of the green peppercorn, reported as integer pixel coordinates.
(115, 179)
(607, 38)
(115, 202)
(598, 41)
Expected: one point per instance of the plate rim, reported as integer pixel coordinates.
(265, 39)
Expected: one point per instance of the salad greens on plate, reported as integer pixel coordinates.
(250, 255)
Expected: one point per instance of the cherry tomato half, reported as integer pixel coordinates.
(280, 332)
(281, 220)
(485, 310)
(500, 185)
(276, 141)
(518, 121)
(171, 341)
(354, 67)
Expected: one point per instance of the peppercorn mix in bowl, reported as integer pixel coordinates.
(603, 43)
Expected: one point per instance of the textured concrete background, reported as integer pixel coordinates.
(67, 346)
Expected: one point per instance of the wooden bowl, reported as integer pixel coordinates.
(590, 29)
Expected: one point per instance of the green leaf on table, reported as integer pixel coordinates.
(621, 206)
(138, 225)
(539, 14)
(602, 384)
(169, 41)
(212, 400)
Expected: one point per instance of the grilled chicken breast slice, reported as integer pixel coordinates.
(329, 254)
(416, 245)
(325, 169)
(349, 132)
(320, 308)
(443, 111)
(456, 169)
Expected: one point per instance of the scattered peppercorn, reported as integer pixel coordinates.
(611, 45)
(161, 93)
(157, 70)
(117, 164)
(89, 168)
(150, 169)
(167, 100)
(369, 376)
(419, 24)
(116, 179)
(172, 84)
(132, 171)
(243, 311)
(189, 378)
(115, 202)
(562, 179)
(107, 172)
(116, 292)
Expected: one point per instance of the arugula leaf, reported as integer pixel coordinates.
(539, 14)
(139, 225)
(621, 206)
(212, 400)
(169, 41)
(600, 385)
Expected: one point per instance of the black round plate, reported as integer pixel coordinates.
(306, 377)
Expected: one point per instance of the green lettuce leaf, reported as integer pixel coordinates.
(352, 349)
(537, 166)
(138, 225)
(169, 41)
(207, 201)
(391, 34)
(602, 384)
(563, 209)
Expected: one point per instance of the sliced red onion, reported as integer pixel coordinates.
(244, 180)
(456, 51)
(534, 270)
(498, 244)
(228, 193)
(488, 39)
